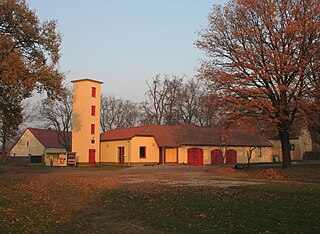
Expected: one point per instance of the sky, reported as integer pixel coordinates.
(124, 43)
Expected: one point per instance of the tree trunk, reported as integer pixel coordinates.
(248, 163)
(285, 146)
(3, 156)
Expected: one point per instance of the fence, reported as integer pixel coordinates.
(312, 155)
(18, 160)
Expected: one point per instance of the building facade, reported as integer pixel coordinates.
(300, 142)
(182, 145)
(37, 144)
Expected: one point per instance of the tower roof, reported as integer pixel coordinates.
(87, 79)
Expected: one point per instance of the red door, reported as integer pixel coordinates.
(231, 157)
(92, 156)
(216, 157)
(195, 156)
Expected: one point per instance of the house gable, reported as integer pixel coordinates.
(27, 144)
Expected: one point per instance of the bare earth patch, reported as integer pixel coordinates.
(227, 172)
(192, 181)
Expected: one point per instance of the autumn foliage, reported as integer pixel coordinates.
(263, 60)
(29, 50)
(29, 60)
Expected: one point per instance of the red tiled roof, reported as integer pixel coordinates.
(48, 138)
(172, 136)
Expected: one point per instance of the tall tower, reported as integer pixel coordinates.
(86, 120)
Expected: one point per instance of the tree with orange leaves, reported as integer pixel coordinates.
(29, 60)
(261, 55)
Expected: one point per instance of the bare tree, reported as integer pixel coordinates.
(57, 113)
(189, 101)
(174, 93)
(175, 101)
(117, 113)
(249, 155)
(130, 114)
(207, 114)
(109, 112)
(154, 108)
(195, 105)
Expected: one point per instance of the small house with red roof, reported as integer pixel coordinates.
(37, 143)
(182, 144)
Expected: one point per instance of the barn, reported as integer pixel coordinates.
(191, 145)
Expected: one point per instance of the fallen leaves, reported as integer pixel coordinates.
(223, 170)
(269, 174)
(302, 173)
(48, 199)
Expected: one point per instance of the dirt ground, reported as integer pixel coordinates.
(172, 175)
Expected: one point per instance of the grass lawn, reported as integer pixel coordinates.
(275, 208)
(56, 203)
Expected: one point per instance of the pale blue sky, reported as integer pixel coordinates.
(126, 42)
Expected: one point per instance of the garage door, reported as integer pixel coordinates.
(171, 155)
(231, 157)
(195, 156)
(216, 157)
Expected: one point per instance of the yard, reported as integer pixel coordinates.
(159, 199)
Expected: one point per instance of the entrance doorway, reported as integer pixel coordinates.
(195, 156)
(121, 155)
(92, 156)
(216, 157)
(231, 157)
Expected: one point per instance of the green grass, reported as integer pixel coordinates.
(275, 208)
(36, 167)
(19, 213)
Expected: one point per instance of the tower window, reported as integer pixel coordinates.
(93, 110)
(93, 92)
(93, 128)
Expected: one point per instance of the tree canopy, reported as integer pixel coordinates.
(29, 50)
(29, 55)
(262, 56)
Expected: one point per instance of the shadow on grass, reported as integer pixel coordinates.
(36, 168)
(153, 208)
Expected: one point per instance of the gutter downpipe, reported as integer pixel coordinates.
(129, 153)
